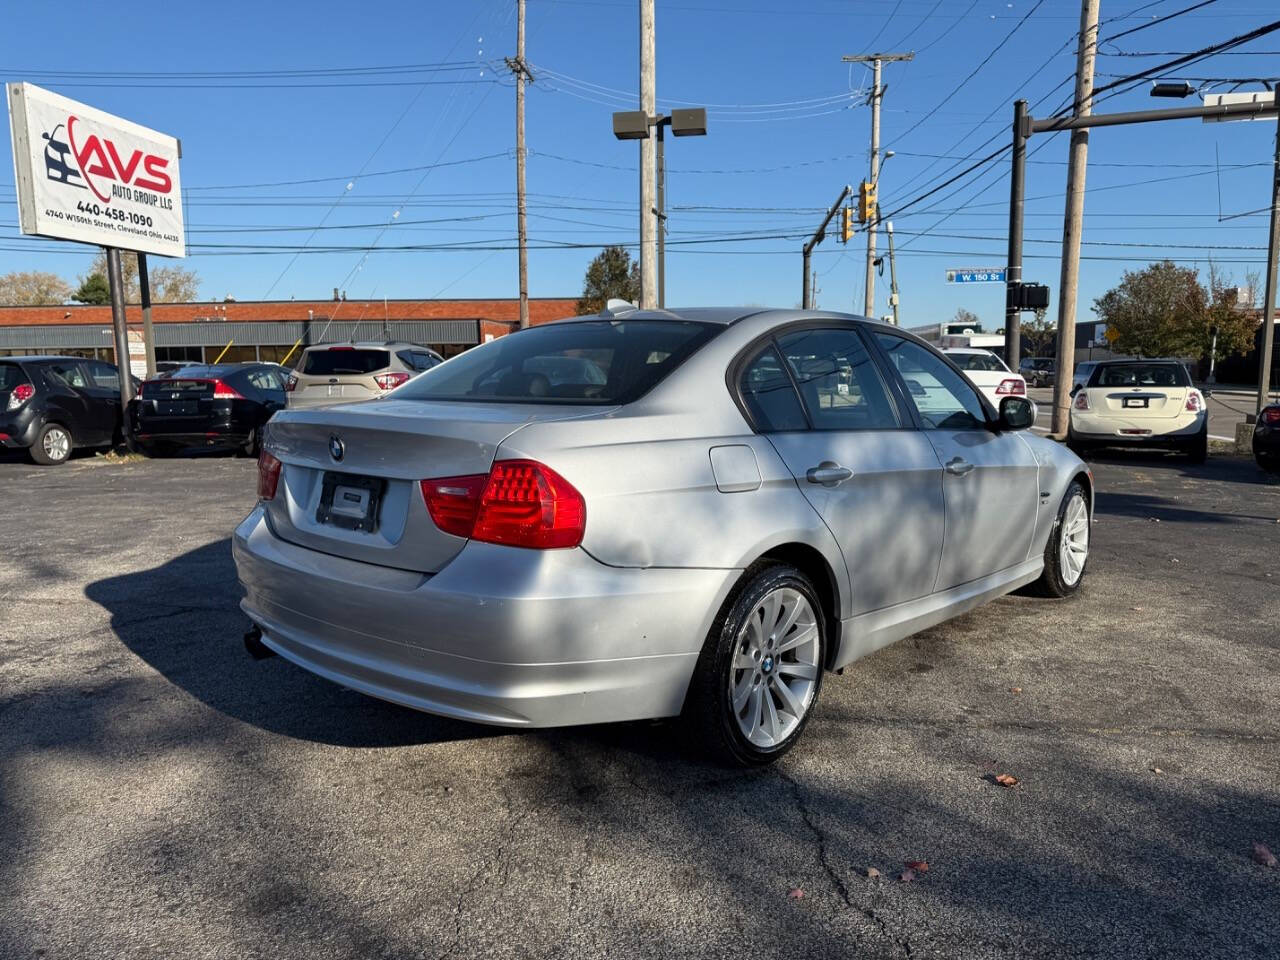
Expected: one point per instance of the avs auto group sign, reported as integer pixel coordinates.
(86, 175)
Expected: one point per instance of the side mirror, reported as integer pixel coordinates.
(1016, 413)
(1074, 390)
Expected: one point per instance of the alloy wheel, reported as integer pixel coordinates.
(56, 443)
(1073, 546)
(773, 674)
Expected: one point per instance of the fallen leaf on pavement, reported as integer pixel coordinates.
(1263, 856)
(1156, 770)
(872, 873)
(907, 876)
(1015, 689)
(919, 866)
(795, 893)
(1002, 779)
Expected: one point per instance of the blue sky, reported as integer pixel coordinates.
(788, 128)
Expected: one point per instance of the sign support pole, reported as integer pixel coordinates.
(1013, 274)
(115, 279)
(144, 285)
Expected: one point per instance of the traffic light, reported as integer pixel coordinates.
(866, 202)
(846, 224)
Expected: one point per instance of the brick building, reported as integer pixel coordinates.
(266, 330)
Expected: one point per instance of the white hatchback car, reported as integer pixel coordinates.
(1132, 403)
(988, 373)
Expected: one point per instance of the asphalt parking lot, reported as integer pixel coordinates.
(162, 795)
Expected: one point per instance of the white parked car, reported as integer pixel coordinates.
(988, 373)
(1130, 403)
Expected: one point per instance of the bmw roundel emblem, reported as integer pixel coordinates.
(336, 448)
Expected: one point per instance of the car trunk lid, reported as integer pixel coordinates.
(349, 484)
(1138, 403)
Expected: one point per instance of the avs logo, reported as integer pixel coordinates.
(81, 159)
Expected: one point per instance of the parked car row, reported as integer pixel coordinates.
(51, 406)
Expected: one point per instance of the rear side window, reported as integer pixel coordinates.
(588, 362)
(68, 374)
(337, 361)
(769, 395)
(11, 375)
(1140, 375)
(416, 359)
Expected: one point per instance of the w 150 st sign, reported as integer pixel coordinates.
(85, 175)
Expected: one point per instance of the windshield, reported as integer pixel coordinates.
(977, 361)
(1141, 375)
(588, 362)
(329, 361)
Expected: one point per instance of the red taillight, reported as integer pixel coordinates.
(291, 383)
(1082, 401)
(1271, 415)
(268, 475)
(20, 395)
(1194, 401)
(1012, 387)
(389, 381)
(520, 503)
(222, 392)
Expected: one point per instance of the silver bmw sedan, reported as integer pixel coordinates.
(646, 514)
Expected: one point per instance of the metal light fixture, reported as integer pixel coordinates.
(631, 125)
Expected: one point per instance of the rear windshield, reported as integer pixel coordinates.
(589, 362)
(339, 360)
(976, 361)
(1140, 375)
(11, 375)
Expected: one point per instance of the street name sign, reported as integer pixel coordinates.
(976, 275)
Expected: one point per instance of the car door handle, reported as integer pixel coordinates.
(958, 467)
(828, 473)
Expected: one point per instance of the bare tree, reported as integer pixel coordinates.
(169, 284)
(33, 287)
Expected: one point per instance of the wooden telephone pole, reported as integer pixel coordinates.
(521, 70)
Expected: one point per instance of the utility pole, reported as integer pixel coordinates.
(877, 94)
(648, 104)
(521, 71)
(1013, 268)
(893, 275)
(1073, 222)
(1273, 255)
(660, 211)
(144, 286)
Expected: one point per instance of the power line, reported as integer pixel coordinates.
(1157, 21)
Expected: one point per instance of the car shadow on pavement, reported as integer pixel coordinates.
(1220, 469)
(183, 619)
(1169, 510)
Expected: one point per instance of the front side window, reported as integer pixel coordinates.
(595, 362)
(941, 397)
(838, 380)
(769, 395)
(104, 375)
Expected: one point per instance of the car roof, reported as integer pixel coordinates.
(1119, 360)
(45, 358)
(368, 345)
(967, 350)
(215, 369)
(723, 316)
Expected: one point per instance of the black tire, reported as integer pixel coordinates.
(709, 709)
(1076, 445)
(250, 446)
(1054, 581)
(47, 450)
(1198, 451)
(1269, 462)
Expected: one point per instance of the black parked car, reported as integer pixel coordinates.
(220, 405)
(1266, 438)
(51, 405)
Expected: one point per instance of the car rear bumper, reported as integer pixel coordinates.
(501, 635)
(19, 430)
(1134, 431)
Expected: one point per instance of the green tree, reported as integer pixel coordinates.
(1038, 336)
(93, 290)
(611, 275)
(1160, 311)
(169, 283)
(31, 288)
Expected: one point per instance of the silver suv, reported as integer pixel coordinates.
(346, 372)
